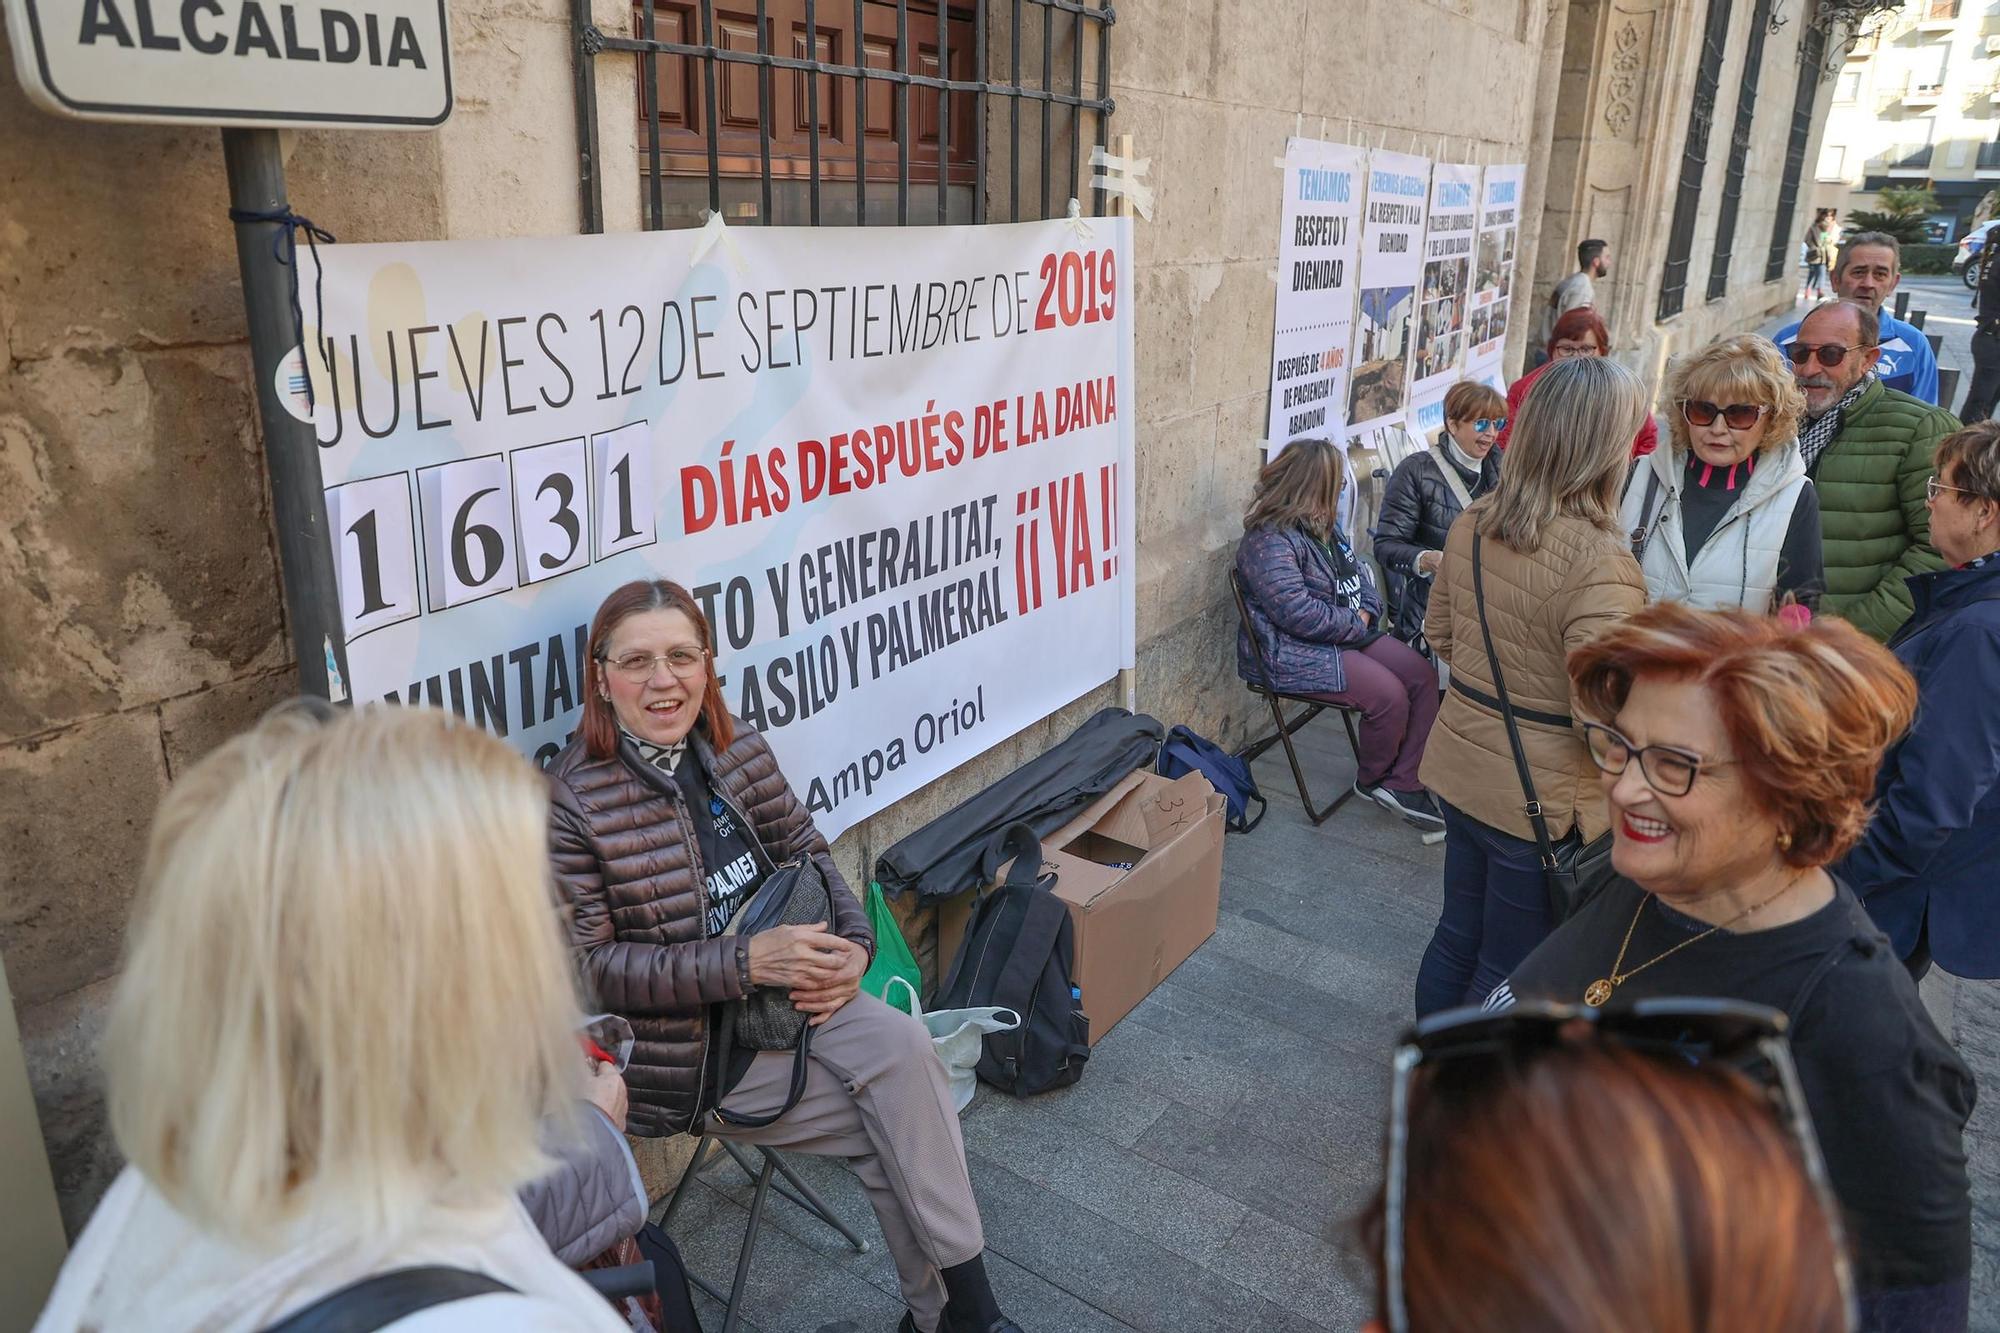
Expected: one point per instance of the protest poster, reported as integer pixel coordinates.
(1493, 271)
(894, 467)
(1318, 238)
(1440, 356)
(1391, 268)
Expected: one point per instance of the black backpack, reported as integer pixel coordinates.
(1018, 952)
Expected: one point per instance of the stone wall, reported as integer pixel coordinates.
(139, 588)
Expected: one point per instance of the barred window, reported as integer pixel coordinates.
(879, 112)
(1784, 229)
(1694, 161)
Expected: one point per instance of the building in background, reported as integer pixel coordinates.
(140, 612)
(1916, 102)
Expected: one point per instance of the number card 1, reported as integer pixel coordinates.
(551, 500)
(468, 522)
(377, 555)
(622, 468)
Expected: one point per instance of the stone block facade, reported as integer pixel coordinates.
(140, 612)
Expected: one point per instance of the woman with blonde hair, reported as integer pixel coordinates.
(1726, 516)
(1531, 571)
(345, 1017)
(1317, 615)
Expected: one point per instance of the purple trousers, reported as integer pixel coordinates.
(1396, 690)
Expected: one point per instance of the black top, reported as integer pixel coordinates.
(732, 870)
(1889, 1096)
(1706, 496)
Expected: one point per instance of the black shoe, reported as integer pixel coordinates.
(1415, 806)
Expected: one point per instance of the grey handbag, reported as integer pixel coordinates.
(794, 894)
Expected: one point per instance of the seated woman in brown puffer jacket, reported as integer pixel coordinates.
(666, 815)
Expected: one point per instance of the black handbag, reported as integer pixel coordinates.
(794, 894)
(1573, 871)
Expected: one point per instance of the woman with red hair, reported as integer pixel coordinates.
(667, 814)
(1580, 332)
(1738, 756)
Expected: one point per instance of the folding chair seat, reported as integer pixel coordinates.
(764, 1173)
(1311, 709)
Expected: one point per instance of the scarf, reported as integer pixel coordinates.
(666, 758)
(1815, 436)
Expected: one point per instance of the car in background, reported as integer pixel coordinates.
(1971, 248)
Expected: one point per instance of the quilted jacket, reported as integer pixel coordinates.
(1580, 582)
(1301, 616)
(592, 1198)
(1418, 509)
(1871, 505)
(629, 866)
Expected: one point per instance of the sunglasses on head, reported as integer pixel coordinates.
(1467, 1048)
(1737, 416)
(1829, 354)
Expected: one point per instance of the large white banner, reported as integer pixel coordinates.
(1319, 236)
(895, 467)
(1443, 300)
(1493, 271)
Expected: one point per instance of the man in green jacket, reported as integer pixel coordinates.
(1868, 449)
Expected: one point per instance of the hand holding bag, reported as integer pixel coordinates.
(794, 894)
(1572, 871)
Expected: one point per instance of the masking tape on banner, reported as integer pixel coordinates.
(715, 231)
(1075, 222)
(1124, 176)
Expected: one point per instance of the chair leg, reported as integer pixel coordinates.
(733, 1314)
(1317, 817)
(1250, 753)
(679, 1196)
(810, 1201)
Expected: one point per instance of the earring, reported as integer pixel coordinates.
(1784, 842)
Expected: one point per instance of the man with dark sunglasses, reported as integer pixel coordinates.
(1868, 449)
(1866, 272)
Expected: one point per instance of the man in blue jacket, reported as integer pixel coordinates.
(1928, 867)
(1869, 266)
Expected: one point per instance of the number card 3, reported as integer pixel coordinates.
(377, 566)
(468, 522)
(622, 470)
(551, 498)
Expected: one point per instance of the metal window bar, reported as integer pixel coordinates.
(1694, 160)
(648, 48)
(1812, 62)
(1739, 155)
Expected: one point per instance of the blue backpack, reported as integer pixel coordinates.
(1184, 752)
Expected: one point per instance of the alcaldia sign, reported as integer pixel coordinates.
(358, 63)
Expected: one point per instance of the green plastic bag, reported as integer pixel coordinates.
(892, 956)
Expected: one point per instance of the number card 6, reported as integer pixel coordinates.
(468, 522)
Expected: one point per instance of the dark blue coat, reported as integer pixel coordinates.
(1934, 843)
(1303, 613)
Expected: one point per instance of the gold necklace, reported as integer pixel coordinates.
(1599, 991)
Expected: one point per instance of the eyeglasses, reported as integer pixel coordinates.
(1562, 350)
(1932, 485)
(1470, 1049)
(1667, 770)
(685, 663)
(1829, 354)
(1484, 424)
(1736, 416)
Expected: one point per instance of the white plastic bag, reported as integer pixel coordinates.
(956, 1035)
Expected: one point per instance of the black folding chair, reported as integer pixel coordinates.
(764, 1176)
(1276, 698)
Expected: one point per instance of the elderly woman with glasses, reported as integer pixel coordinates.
(667, 814)
(1427, 493)
(1579, 332)
(1738, 755)
(1726, 516)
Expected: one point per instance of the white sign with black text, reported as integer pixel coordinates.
(360, 64)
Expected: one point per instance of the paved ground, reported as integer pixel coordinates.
(1197, 1179)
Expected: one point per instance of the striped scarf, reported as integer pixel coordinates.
(1815, 436)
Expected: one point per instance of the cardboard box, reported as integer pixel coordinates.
(1140, 870)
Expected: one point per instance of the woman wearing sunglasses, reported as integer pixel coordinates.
(667, 814)
(1559, 1170)
(1428, 492)
(1725, 516)
(1738, 755)
(1579, 332)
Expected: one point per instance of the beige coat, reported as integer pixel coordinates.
(1581, 581)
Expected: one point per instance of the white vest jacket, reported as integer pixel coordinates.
(1738, 564)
